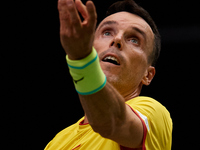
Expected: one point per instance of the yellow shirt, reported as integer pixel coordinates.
(156, 121)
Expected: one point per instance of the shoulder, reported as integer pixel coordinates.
(63, 136)
(157, 120)
(150, 108)
(147, 105)
(68, 130)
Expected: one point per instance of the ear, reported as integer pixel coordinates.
(148, 76)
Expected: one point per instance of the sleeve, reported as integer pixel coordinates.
(156, 121)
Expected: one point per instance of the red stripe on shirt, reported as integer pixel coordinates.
(144, 136)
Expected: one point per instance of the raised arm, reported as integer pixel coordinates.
(105, 110)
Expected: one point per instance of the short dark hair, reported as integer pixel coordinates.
(131, 7)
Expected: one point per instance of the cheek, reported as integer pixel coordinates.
(136, 55)
(101, 44)
(136, 64)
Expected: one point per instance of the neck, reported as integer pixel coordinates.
(133, 94)
(86, 119)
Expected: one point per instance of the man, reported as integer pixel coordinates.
(109, 84)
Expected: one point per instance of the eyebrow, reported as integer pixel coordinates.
(108, 23)
(140, 31)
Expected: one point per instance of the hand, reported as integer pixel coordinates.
(77, 37)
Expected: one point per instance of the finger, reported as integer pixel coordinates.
(63, 16)
(92, 15)
(81, 8)
(75, 19)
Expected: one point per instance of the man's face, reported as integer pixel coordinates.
(123, 42)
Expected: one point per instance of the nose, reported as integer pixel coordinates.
(117, 42)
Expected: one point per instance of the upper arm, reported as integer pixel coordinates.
(108, 115)
(129, 132)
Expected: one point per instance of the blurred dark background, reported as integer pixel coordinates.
(38, 98)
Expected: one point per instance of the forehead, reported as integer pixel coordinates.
(126, 19)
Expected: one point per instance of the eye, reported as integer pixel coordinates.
(135, 41)
(107, 33)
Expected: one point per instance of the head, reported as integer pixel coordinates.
(128, 45)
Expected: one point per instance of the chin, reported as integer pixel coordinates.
(112, 78)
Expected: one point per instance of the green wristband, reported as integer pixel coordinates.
(87, 74)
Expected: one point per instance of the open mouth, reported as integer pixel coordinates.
(111, 59)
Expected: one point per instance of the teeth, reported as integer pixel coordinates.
(112, 58)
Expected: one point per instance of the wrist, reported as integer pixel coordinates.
(87, 74)
(70, 57)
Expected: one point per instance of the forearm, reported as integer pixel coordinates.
(104, 109)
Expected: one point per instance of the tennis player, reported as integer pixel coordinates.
(109, 65)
